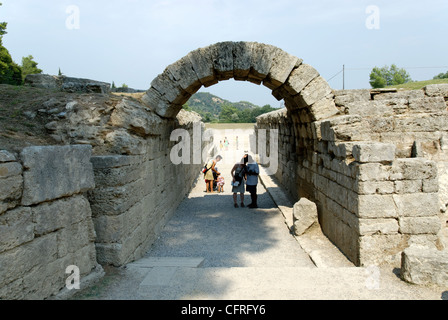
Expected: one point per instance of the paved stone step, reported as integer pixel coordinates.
(151, 262)
(260, 283)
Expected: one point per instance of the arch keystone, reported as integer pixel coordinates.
(242, 54)
(222, 57)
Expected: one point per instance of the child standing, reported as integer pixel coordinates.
(221, 183)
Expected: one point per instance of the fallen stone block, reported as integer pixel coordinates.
(424, 266)
(304, 216)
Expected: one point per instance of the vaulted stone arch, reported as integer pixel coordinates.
(301, 87)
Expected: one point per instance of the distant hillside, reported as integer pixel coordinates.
(210, 107)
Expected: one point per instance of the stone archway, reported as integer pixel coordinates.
(331, 147)
(299, 84)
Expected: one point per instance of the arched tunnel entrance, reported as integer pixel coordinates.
(308, 98)
(328, 152)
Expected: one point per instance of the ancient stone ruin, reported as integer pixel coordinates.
(372, 161)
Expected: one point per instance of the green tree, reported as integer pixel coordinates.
(10, 72)
(441, 76)
(388, 76)
(2, 28)
(29, 66)
(228, 114)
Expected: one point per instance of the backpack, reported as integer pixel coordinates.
(239, 176)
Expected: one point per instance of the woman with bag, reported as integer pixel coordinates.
(209, 177)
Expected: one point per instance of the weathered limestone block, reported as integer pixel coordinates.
(21, 260)
(6, 156)
(413, 169)
(10, 192)
(115, 161)
(409, 186)
(422, 122)
(377, 226)
(154, 101)
(67, 84)
(74, 237)
(113, 177)
(345, 128)
(323, 109)
(419, 225)
(46, 170)
(262, 57)
(372, 206)
(372, 248)
(203, 65)
(317, 89)
(373, 152)
(427, 104)
(52, 216)
(169, 89)
(382, 108)
(222, 57)
(242, 52)
(374, 187)
(417, 205)
(424, 266)
(407, 94)
(282, 66)
(122, 142)
(16, 228)
(70, 84)
(305, 216)
(343, 97)
(118, 199)
(11, 181)
(45, 81)
(183, 73)
(434, 90)
(10, 169)
(300, 78)
(133, 117)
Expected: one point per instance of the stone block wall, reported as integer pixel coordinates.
(45, 220)
(373, 169)
(136, 195)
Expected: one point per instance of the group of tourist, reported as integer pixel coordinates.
(226, 144)
(244, 178)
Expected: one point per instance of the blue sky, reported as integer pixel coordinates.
(132, 41)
